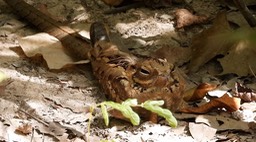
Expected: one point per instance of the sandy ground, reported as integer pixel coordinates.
(55, 104)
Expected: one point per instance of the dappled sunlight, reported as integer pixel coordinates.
(241, 46)
(43, 91)
(149, 27)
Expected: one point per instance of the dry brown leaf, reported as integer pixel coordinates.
(236, 46)
(198, 92)
(229, 103)
(185, 18)
(174, 55)
(24, 129)
(50, 48)
(241, 57)
(246, 94)
(201, 132)
(237, 18)
(210, 42)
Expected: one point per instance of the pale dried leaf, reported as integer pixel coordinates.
(201, 132)
(50, 48)
(52, 130)
(217, 93)
(56, 129)
(221, 123)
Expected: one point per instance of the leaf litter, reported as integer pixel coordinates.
(53, 118)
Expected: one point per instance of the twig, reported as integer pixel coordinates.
(245, 12)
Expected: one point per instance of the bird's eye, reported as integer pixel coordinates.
(144, 71)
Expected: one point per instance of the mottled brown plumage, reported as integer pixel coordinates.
(124, 75)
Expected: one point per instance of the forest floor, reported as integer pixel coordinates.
(40, 104)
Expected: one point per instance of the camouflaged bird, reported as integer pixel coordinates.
(121, 75)
(125, 76)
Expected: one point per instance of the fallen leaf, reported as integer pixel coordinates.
(174, 55)
(52, 130)
(237, 18)
(211, 42)
(50, 48)
(236, 46)
(222, 123)
(229, 103)
(246, 94)
(198, 92)
(185, 18)
(56, 129)
(24, 129)
(201, 132)
(241, 57)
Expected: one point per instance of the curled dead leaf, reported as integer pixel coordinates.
(198, 92)
(24, 129)
(186, 18)
(229, 103)
(246, 94)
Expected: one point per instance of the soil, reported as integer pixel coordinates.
(56, 103)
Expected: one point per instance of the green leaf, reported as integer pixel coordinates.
(133, 116)
(153, 106)
(126, 110)
(130, 102)
(114, 105)
(154, 103)
(104, 113)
